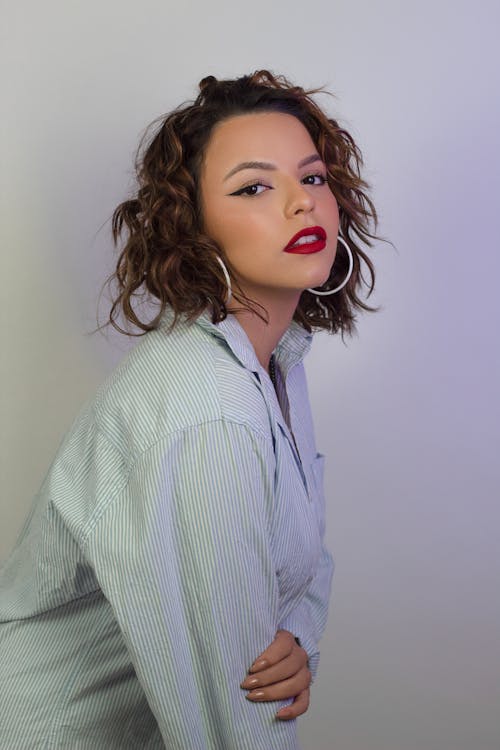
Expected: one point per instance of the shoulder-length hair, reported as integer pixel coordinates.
(167, 258)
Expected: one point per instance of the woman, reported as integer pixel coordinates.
(178, 536)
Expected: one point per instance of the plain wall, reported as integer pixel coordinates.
(406, 412)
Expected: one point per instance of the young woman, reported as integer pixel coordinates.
(177, 538)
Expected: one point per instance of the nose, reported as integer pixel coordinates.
(299, 198)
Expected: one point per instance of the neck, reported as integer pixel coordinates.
(264, 337)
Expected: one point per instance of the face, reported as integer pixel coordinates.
(253, 213)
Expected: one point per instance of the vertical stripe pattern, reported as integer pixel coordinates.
(180, 524)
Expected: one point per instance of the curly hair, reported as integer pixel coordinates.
(166, 255)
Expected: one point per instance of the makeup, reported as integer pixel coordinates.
(308, 240)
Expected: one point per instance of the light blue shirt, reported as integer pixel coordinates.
(180, 525)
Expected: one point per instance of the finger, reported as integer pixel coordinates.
(287, 667)
(281, 647)
(297, 708)
(284, 689)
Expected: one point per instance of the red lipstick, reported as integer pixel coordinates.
(310, 246)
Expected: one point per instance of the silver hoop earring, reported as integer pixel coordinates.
(229, 295)
(351, 266)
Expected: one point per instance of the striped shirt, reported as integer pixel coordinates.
(180, 524)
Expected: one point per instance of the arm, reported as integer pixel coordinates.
(281, 674)
(183, 557)
(308, 620)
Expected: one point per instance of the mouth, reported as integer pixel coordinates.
(308, 240)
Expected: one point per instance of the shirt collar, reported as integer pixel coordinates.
(290, 350)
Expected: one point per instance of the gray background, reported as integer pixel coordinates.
(407, 412)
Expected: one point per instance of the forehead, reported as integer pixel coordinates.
(263, 136)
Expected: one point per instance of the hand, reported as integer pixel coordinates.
(280, 672)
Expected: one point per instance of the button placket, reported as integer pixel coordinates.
(276, 418)
(296, 456)
(287, 424)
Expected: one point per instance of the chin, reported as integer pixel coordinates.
(319, 281)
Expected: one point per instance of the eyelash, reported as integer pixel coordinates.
(241, 191)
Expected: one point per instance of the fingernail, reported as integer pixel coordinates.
(250, 682)
(255, 695)
(260, 664)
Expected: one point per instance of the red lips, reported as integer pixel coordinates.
(318, 231)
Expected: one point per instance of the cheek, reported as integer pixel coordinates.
(244, 228)
(214, 216)
(332, 203)
(331, 211)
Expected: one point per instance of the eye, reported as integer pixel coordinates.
(321, 177)
(248, 190)
(245, 190)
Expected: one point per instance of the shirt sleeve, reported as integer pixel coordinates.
(183, 556)
(308, 620)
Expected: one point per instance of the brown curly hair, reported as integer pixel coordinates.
(166, 255)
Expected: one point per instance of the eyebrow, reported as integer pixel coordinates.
(266, 165)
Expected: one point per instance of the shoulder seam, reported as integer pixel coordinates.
(84, 536)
